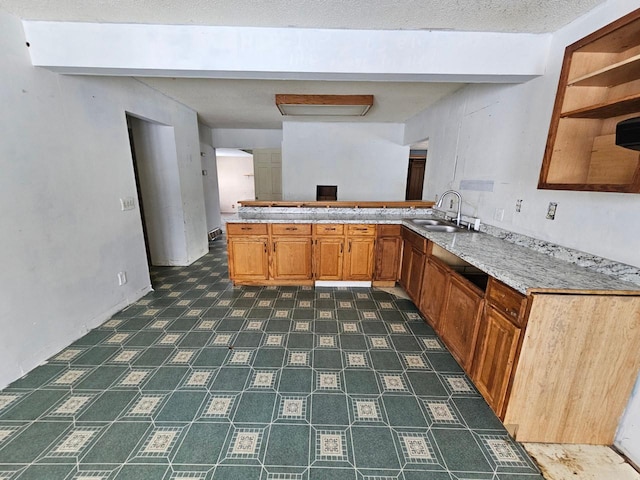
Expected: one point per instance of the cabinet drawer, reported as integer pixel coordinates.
(247, 228)
(505, 299)
(388, 230)
(355, 230)
(328, 229)
(413, 238)
(291, 229)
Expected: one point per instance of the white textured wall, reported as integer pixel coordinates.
(366, 160)
(210, 180)
(65, 163)
(498, 133)
(246, 138)
(235, 176)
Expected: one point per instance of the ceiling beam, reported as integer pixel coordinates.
(285, 53)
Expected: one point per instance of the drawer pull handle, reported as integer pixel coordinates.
(332, 229)
(291, 228)
(246, 228)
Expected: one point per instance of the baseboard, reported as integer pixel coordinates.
(345, 283)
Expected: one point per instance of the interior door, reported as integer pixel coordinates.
(415, 178)
(267, 169)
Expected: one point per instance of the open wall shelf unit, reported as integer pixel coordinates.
(599, 87)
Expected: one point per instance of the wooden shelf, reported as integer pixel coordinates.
(615, 108)
(616, 74)
(604, 88)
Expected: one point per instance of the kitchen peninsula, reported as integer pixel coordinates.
(552, 346)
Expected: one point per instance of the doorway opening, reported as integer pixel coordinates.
(415, 174)
(157, 179)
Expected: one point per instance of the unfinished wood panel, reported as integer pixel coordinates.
(574, 140)
(599, 82)
(577, 367)
(291, 259)
(611, 163)
(613, 74)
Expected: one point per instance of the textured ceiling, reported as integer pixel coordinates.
(466, 15)
(251, 103)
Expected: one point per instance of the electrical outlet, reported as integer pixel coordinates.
(122, 278)
(127, 203)
(498, 214)
(518, 205)
(551, 210)
(451, 203)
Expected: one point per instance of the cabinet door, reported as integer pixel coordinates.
(460, 320)
(291, 258)
(416, 272)
(387, 258)
(358, 263)
(328, 254)
(433, 294)
(405, 268)
(495, 357)
(248, 258)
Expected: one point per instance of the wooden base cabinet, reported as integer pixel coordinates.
(434, 291)
(328, 256)
(387, 256)
(495, 357)
(358, 261)
(460, 319)
(414, 254)
(248, 258)
(291, 259)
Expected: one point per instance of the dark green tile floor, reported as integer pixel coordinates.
(201, 380)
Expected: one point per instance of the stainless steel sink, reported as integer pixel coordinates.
(437, 225)
(444, 228)
(429, 221)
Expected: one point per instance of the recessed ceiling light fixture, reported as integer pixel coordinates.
(324, 105)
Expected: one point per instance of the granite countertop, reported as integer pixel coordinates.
(524, 269)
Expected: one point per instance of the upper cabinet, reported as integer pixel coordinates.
(599, 87)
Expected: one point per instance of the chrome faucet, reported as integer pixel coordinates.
(439, 204)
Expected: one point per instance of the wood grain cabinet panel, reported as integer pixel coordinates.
(434, 291)
(248, 258)
(461, 319)
(495, 357)
(291, 259)
(387, 258)
(328, 253)
(358, 264)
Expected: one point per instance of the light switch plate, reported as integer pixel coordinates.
(127, 203)
(551, 210)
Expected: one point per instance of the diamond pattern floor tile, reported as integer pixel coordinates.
(203, 380)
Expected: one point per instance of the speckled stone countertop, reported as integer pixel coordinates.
(522, 268)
